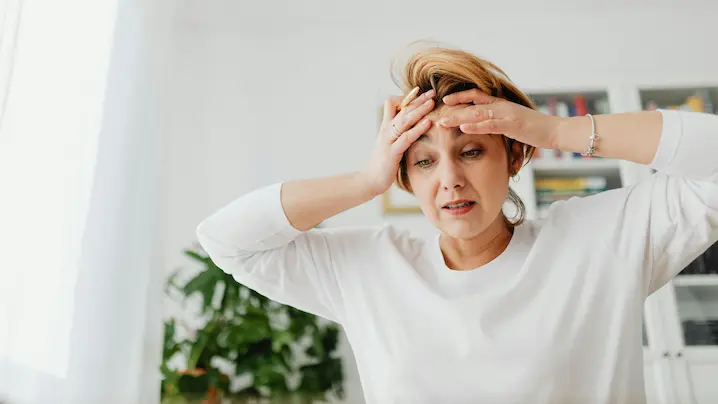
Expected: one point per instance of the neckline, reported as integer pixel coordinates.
(516, 240)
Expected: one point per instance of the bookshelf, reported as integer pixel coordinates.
(575, 166)
(690, 301)
(560, 175)
(699, 99)
(681, 319)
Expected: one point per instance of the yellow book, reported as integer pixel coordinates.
(571, 183)
(696, 103)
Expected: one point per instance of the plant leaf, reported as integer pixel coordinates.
(330, 339)
(205, 283)
(197, 349)
(197, 256)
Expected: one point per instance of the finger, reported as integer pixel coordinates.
(474, 96)
(491, 126)
(417, 103)
(409, 98)
(472, 114)
(420, 100)
(407, 138)
(390, 108)
(407, 119)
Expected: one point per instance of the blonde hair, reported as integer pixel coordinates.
(449, 71)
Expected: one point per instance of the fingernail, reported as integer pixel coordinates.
(431, 93)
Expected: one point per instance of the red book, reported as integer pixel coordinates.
(581, 105)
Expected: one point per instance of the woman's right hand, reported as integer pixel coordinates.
(409, 124)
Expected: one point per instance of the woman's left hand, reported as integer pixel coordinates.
(485, 114)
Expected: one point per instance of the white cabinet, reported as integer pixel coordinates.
(681, 344)
(681, 319)
(657, 371)
(692, 330)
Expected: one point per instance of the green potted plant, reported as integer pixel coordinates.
(286, 355)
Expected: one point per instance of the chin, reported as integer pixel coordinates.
(461, 234)
(462, 229)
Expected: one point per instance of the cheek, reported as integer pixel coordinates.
(424, 188)
(491, 186)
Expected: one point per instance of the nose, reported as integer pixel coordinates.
(452, 175)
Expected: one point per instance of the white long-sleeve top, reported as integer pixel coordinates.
(556, 318)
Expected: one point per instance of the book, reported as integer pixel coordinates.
(571, 183)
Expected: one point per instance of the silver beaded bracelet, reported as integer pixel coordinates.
(591, 149)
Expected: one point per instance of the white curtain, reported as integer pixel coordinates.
(10, 11)
(81, 196)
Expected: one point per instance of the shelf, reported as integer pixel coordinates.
(570, 103)
(576, 167)
(566, 95)
(695, 280)
(702, 99)
(702, 353)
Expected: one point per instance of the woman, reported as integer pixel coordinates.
(495, 309)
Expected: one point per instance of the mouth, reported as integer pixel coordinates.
(458, 205)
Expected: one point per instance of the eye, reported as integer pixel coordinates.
(423, 163)
(472, 153)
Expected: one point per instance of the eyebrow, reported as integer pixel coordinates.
(425, 137)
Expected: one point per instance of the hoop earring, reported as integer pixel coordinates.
(516, 178)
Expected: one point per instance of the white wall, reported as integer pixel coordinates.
(272, 91)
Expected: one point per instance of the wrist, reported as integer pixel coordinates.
(572, 134)
(364, 186)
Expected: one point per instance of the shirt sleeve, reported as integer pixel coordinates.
(659, 225)
(252, 240)
(684, 201)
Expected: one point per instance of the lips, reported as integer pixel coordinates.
(458, 204)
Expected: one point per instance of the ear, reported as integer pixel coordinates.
(516, 157)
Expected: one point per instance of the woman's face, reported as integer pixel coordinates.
(459, 180)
